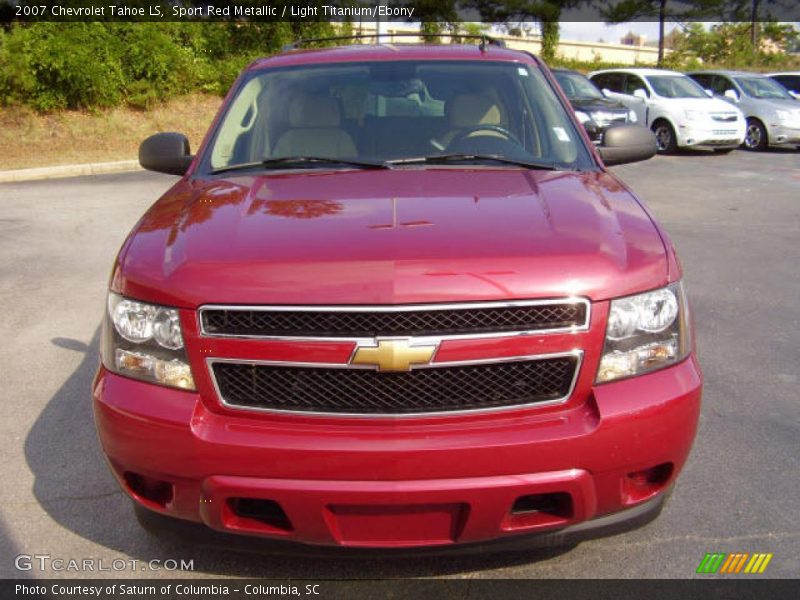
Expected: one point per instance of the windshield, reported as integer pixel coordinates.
(675, 86)
(576, 86)
(379, 112)
(762, 87)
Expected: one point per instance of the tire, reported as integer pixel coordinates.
(723, 150)
(666, 142)
(755, 135)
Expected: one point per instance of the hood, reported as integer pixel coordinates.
(708, 105)
(597, 104)
(386, 237)
(775, 104)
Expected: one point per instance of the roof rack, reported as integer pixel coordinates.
(485, 40)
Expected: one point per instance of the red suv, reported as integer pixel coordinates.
(397, 300)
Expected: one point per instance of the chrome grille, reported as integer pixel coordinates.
(343, 391)
(401, 320)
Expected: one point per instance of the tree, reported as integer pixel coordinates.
(546, 12)
(729, 44)
(632, 10)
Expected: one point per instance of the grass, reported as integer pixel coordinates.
(40, 140)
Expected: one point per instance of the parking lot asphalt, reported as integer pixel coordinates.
(735, 220)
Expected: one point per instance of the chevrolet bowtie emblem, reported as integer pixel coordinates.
(393, 355)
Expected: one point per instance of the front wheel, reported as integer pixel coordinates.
(666, 142)
(756, 136)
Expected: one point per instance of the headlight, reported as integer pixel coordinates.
(144, 341)
(632, 118)
(692, 115)
(644, 333)
(582, 116)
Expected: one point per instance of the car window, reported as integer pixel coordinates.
(379, 111)
(576, 85)
(762, 88)
(720, 84)
(675, 86)
(610, 81)
(790, 82)
(633, 83)
(703, 79)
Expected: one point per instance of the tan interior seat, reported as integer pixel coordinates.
(470, 110)
(314, 130)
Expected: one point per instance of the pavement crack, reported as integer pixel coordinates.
(76, 498)
(717, 540)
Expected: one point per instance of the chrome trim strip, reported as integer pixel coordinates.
(578, 354)
(399, 308)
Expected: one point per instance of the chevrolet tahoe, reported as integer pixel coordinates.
(397, 300)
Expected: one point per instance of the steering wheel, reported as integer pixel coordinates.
(486, 127)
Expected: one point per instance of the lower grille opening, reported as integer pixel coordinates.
(364, 391)
(152, 490)
(264, 511)
(558, 505)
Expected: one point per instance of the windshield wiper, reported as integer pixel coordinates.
(289, 161)
(447, 158)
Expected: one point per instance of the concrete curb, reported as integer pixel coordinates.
(120, 166)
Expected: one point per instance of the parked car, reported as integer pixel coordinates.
(329, 331)
(677, 110)
(595, 111)
(773, 116)
(791, 81)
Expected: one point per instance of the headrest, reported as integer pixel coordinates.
(468, 110)
(315, 110)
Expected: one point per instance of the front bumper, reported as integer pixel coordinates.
(402, 483)
(780, 135)
(717, 135)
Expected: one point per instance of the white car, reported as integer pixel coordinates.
(677, 109)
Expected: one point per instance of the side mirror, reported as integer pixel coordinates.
(166, 153)
(794, 95)
(640, 93)
(626, 144)
(732, 95)
(709, 93)
(606, 92)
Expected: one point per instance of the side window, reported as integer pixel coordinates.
(610, 81)
(633, 83)
(721, 84)
(790, 82)
(704, 81)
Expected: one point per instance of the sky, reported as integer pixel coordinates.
(593, 31)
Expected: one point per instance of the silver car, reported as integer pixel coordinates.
(773, 116)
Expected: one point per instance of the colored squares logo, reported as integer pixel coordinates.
(737, 562)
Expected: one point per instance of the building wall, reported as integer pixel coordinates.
(583, 51)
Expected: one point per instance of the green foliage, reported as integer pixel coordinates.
(54, 66)
(729, 45)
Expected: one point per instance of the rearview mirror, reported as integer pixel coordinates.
(626, 144)
(166, 153)
(732, 95)
(709, 93)
(640, 93)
